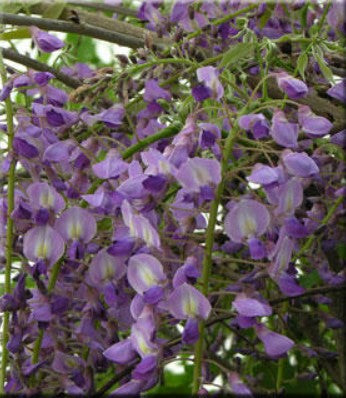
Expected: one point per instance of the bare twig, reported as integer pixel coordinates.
(103, 7)
(70, 27)
(311, 292)
(40, 66)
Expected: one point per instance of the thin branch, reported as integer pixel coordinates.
(103, 22)
(103, 7)
(40, 66)
(310, 292)
(71, 27)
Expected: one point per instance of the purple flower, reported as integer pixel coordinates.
(187, 302)
(283, 254)
(121, 353)
(139, 226)
(145, 367)
(289, 286)
(105, 268)
(246, 219)
(6, 90)
(144, 272)
(275, 344)
(23, 148)
(209, 134)
(196, 173)
(153, 91)
(111, 167)
(293, 87)
(339, 138)
(283, 132)
(42, 195)
(263, 174)
(314, 126)
(113, 116)
(290, 196)
(76, 224)
(42, 78)
(191, 333)
(338, 91)
(44, 41)
(300, 164)
(250, 306)
(201, 92)
(43, 243)
(237, 386)
(142, 334)
(295, 229)
(256, 123)
(209, 76)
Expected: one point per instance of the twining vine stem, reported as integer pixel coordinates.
(9, 229)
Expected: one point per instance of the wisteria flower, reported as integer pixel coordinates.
(139, 226)
(145, 273)
(111, 167)
(209, 76)
(283, 132)
(300, 164)
(313, 126)
(256, 123)
(43, 243)
(197, 173)
(275, 344)
(45, 41)
(248, 220)
(293, 87)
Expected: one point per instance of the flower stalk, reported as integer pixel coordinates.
(207, 259)
(9, 230)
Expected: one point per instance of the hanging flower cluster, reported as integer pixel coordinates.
(122, 268)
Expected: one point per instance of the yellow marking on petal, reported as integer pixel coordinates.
(201, 175)
(189, 306)
(47, 199)
(289, 202)
(75, 230)
(143, 346)
(247, 224)
(132, 227)
(164, 166)
(108, 269)
(42, 249)
(147, 276)
(147, 236)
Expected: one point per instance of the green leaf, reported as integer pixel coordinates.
(84, 49)
(236, 53)
(54, 10)
(309, 280)
(318, 55)
(105, 224)
(20, 33)
(302, 63)
(266, 16)
(341, 250)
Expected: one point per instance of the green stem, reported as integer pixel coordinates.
(207, 259)
(51, 285)
(164, 133)
(9, 231)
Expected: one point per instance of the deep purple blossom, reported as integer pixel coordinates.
(293, 87)
(283, 132)
(45, 41)
(256, 123)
